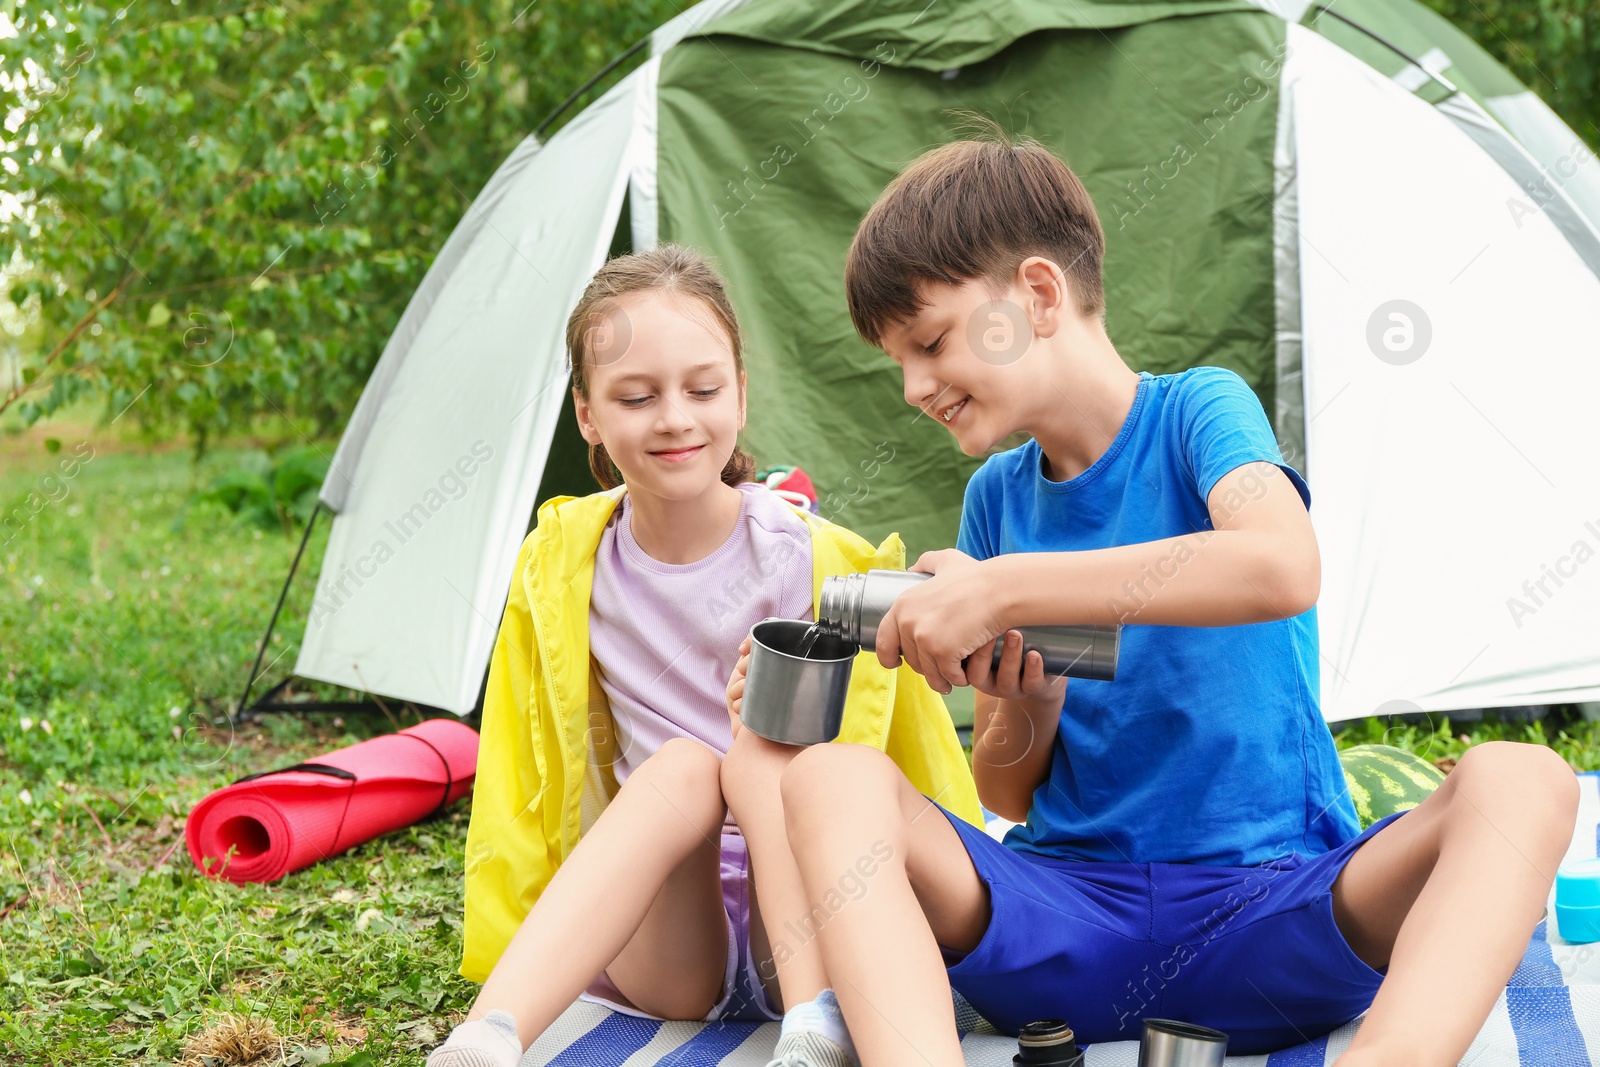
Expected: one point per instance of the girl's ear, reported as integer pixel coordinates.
(586, 426)
(743, 378)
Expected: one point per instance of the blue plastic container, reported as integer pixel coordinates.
(1578, 901)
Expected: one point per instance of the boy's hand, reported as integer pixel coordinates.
(736, 685)
(1018, 679)
(937, 624)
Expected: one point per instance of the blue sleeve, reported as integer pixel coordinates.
(1224, 427)
(975, 538)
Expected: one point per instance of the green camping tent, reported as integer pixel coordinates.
(1345, 205)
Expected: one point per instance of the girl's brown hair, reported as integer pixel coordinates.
(670, 268)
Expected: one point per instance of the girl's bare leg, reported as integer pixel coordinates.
(851, 814)
(639, 897)
(1483, 849)
(790, 964)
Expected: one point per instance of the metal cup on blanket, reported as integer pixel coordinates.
(1171, 1043)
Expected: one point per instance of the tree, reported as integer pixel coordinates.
(219, 211)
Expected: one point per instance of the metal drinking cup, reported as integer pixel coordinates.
(1171, 1043)
(792, 699)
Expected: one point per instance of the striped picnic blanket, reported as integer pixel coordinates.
(1549, 1014)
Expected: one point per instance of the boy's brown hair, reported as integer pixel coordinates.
(972, 209)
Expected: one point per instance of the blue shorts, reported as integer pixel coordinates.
(1251, 951)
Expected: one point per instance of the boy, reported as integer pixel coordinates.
(1189, 849)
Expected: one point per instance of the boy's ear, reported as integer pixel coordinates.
(586, 426)
(1046, 292)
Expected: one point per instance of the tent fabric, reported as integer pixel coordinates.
(1288, 412)
(941, 37)
(1251, 223)
(419, 559)
(1447, 475)
(346, 460)
(1565, 159)
(772, 180)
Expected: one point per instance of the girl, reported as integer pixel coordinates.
(618, 811)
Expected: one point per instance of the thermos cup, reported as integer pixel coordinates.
(852, 605)
(1170, 1043)
(794, 694)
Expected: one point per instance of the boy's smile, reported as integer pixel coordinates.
(977, 395)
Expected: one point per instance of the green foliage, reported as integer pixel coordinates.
(276, 494)
(224, 208)
(1552, 46)
(1577, 740)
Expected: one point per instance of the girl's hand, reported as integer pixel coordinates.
(939, 623)
(736, 685)
(1016, 679)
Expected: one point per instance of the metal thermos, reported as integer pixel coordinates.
(1171, 1043)
(852, 605)
(1047, 1043)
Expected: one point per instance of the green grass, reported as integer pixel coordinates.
(127, 623)
(128, 619)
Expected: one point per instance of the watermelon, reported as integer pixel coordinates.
(1384, 779)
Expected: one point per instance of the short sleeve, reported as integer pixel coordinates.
(1224, 427)
(976, 536)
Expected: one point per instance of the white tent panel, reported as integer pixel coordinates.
(1568, 163)
(1452, 455)
(420, 556)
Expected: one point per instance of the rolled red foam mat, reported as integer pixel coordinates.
(282, 820)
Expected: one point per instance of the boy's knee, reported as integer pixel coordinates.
(825, 777)
(1531, 772)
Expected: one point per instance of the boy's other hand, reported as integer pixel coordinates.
(1017, 678)
(736, 685)
(937, 624)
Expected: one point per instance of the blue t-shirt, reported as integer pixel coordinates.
(1209, 746)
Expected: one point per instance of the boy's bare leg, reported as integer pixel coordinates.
(1484, 849)
(750, 774)
(640, 897)
(848, 808)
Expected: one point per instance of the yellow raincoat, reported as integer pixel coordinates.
(547, 739)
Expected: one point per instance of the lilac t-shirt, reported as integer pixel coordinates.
(666, 635)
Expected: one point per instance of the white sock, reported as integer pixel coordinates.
(822, 1017)
(488, 1042)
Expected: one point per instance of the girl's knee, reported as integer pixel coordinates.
(680, 768)
(753, 762)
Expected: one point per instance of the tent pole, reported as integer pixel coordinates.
(273, 622)
(586, 86)
(1325, 9)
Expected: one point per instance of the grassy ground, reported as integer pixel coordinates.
(127, 621)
